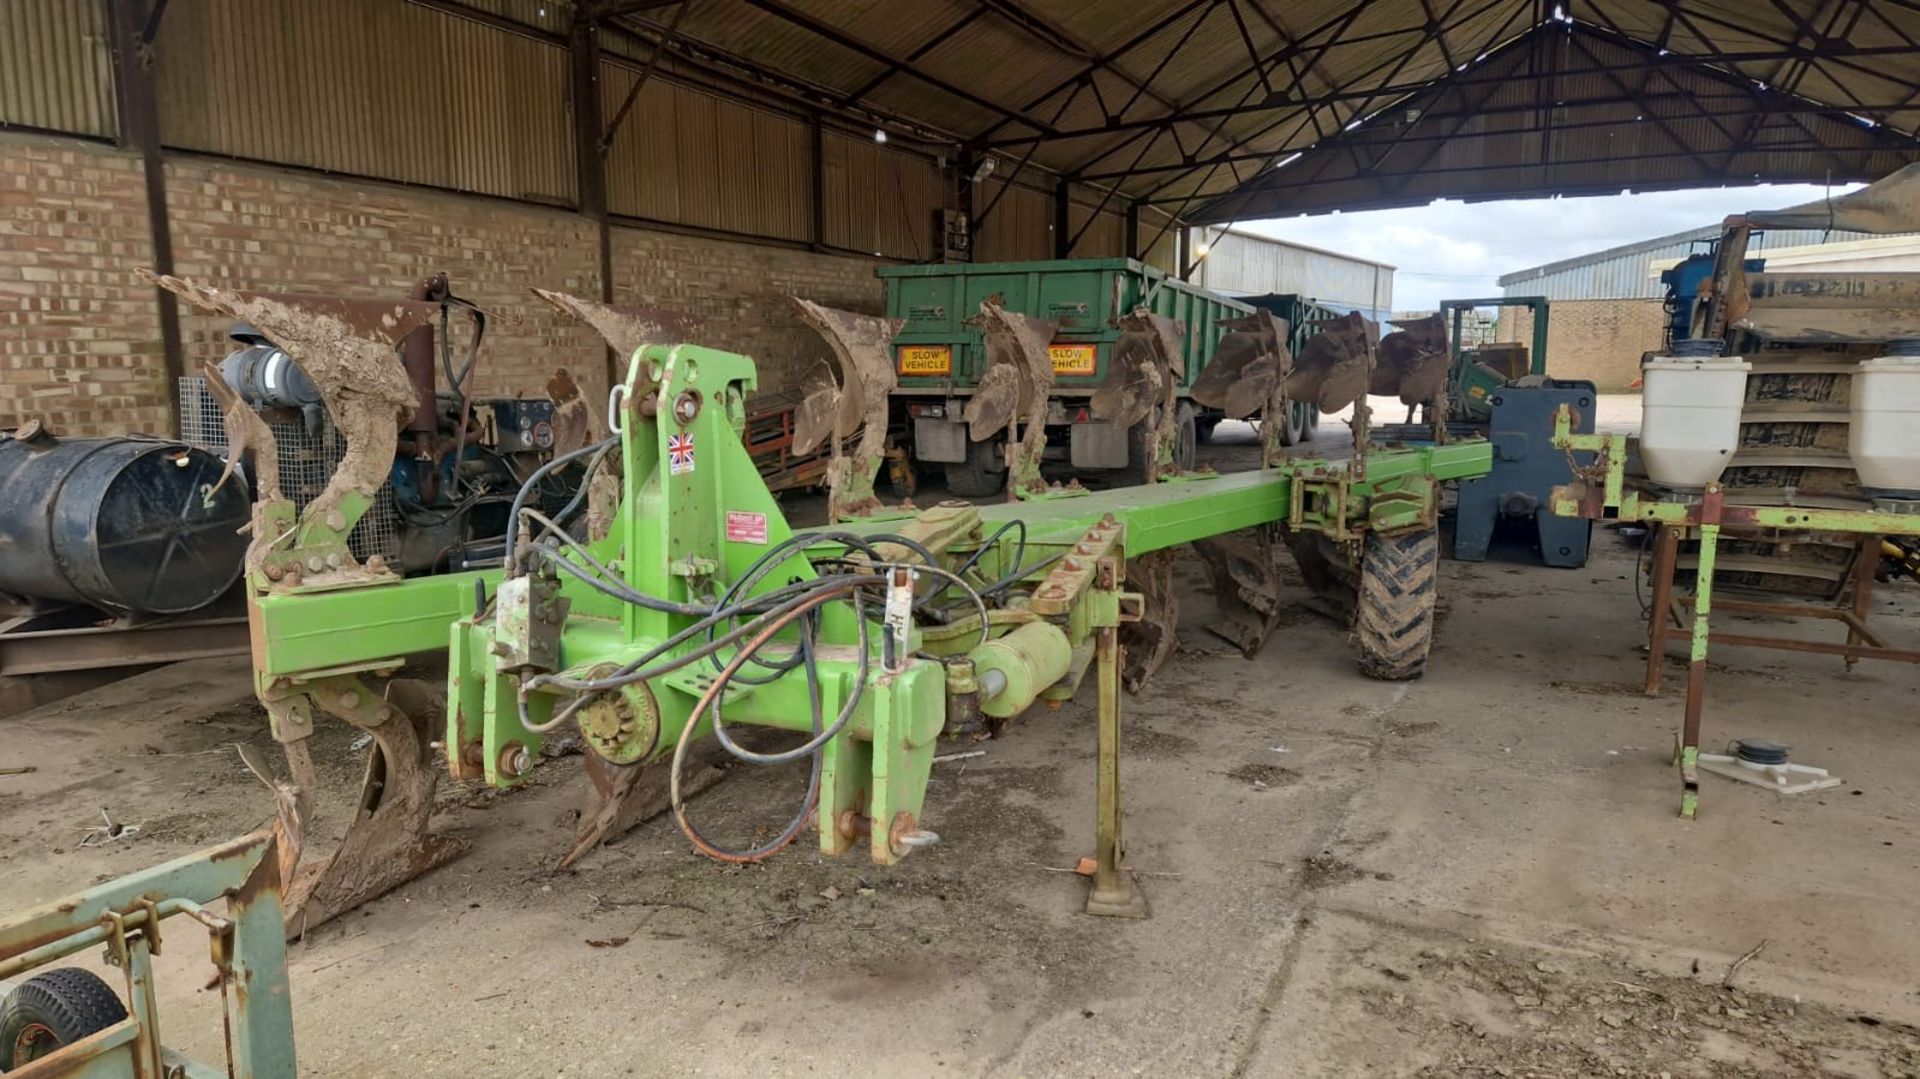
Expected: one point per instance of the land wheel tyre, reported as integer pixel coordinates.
(54, 1009)
(975, 477)
(1393, 623)
(1291, 430)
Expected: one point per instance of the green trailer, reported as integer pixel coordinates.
(940, 358)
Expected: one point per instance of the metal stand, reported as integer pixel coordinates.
(1115, 893)
(1668, 615)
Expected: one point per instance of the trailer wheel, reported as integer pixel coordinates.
(1291, 429)
(977, 476)
(54, 1009)
(1393, 624)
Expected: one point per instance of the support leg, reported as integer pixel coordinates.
(1666, 549)
(1697, 674)
(1862, 586)
(1115, 894)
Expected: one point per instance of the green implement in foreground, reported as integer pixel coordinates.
(686, 608)
(67, 1021)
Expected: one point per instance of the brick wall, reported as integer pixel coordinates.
(80, 339)
(1600, 340)
(740, 292)
(79, 335)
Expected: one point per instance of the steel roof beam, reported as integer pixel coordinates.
(1671, 60)
(846, 41)
(919, 51)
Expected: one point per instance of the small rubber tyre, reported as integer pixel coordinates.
(976, 477)
(1393, 620)
(1292, 429)
(1140, 446)
(53, 1009)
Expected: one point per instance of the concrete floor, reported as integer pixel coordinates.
(1477, 873)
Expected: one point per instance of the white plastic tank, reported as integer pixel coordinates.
(1884, 437)
(1690, 414)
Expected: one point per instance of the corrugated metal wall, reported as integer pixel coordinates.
(696, 159)
(1626, 273)
(1251, 265)
(413, 94)
(880, 201)
(368, 87)
(1020, 227)
(54, 67)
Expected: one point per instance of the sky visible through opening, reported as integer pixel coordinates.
(1458, 250)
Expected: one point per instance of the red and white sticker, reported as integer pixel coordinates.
(744, 527)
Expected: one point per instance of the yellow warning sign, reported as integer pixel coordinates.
(925, 359)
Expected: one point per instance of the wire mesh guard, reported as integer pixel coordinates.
(307, 460)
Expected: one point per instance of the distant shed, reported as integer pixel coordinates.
(1243, 264)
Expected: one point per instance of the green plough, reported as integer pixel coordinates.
(701, 613)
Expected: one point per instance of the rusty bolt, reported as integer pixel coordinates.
(349, 699)
(650, 405)
(1073, 565)
(515, 760)
(473, 755)
(336, 520)
(1108, 520)
(377, 563)
(274, 572)
(851, 824)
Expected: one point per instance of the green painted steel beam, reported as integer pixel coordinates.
(315, 631)
(1181, 511)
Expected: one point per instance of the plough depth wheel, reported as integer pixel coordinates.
(1393, 625)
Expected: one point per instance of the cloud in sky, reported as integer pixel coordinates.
(1457, 249)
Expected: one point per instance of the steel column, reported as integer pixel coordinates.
(130, 24)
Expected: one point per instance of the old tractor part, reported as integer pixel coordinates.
(627, 328)
(1018, 380)
(1413, 362)
(1246, 586)
(1333, 369)
(69, 1021)
(1149, 641)
(125, 525)
(578, 422)
(1144, 381)
(348, 349)
(856, 400)
(1248, 377)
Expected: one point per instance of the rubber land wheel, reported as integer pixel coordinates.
(1313, 421)
(975, 477)
(1291, 431)
(54, 1009)
(1393, 624)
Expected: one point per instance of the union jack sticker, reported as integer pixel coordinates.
(679, 454)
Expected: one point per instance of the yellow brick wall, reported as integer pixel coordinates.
(80, 338)
(1599, 340)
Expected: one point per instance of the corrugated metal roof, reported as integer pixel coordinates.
(1271, 79)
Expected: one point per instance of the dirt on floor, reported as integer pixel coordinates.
(1478, 873)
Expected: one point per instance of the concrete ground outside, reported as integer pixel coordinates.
(1477, 873)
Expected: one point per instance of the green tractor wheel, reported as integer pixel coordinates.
(1393, 624)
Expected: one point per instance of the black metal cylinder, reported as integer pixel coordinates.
(123, 524)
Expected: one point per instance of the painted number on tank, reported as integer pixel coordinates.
(1071, 359)
(925, 359)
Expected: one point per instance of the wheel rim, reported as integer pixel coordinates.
(33, 1042)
